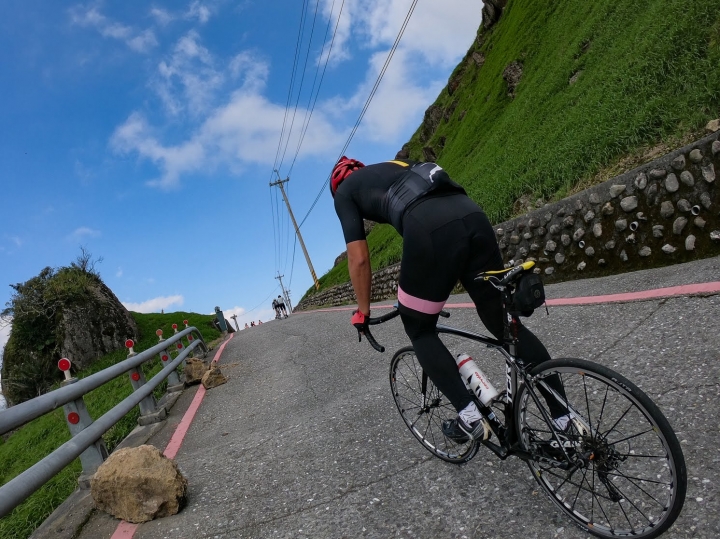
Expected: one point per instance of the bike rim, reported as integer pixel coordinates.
(626, 456)
(424, 414)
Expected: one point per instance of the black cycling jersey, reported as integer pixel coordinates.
(385, 192)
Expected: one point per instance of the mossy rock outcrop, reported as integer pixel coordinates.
(67, 312)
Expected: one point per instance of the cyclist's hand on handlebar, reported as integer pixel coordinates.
(360, 321)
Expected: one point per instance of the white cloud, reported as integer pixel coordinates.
(136, 135)
(139, 41)
(245, 129)
(154, 305)
(237, 311)
(84, 232)
(187, 80)
(437, 36)
(5, 326)
(142, 42)
(119, 273)
(399, 98)
(162, 16)
(16, 240)
(199, 11)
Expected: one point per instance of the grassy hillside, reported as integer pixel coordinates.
(602, 83)
(39, 438)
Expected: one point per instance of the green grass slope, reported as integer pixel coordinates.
(39, 438)
(644, 73)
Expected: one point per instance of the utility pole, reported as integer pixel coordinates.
(286, 293)
(280, 183)
(234, 317)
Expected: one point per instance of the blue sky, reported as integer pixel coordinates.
(147, 132)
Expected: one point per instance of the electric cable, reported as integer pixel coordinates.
(311, 108)
(292, 81)
(263, 301)
(302, 79)
(367, 104)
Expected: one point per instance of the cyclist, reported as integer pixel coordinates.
(276, 308)
(446, 237)
(281, 306)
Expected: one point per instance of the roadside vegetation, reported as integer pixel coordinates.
(560, 95)
(32, 442)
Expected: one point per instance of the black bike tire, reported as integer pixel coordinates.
(471, 448)
(648, 408)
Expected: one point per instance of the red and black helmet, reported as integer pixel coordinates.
(343, 168)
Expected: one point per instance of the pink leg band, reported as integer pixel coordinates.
(419, 305)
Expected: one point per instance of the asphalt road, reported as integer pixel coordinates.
(305, 440)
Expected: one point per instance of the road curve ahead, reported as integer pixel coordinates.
(305, 441)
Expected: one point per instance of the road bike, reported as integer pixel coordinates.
(616, 470)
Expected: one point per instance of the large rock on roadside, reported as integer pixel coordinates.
(139, 484)
(194, 370)
(213, 378)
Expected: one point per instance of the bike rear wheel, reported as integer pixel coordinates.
(423, 408)
(624, 470)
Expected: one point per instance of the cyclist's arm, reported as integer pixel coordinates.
(360, 273)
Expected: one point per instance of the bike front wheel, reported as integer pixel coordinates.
(620, 471)
(423, 408)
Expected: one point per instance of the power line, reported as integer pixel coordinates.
(263, 301)
(292, 81)
(302, 79)
(308, 115)
(275, 242)
(367, 103)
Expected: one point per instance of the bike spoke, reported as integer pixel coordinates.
(587, 402)
(629, 477)
(604, 435)
(583, 478)
(550, 471)
(629, 437)
(635, 506)
(602, 410)
(661, 504)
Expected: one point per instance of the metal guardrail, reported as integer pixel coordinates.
(86, 442)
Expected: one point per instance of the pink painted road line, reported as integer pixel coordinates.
(682, 290)
(126, 530)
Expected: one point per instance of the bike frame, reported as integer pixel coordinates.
(515, 369)
(516, 374)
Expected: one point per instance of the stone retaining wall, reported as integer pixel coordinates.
(664, 212)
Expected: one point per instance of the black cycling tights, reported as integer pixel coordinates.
(447, 239)
(437, 361)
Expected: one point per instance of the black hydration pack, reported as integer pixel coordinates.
(420, 180)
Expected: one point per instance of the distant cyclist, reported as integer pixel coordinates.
(276, 308)
(446, 237)
(281, 306)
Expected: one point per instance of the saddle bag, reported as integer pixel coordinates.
(529, 294)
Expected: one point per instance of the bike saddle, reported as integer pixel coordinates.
(506, 275)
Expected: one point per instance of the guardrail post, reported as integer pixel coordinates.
(149, 411)
(78, 419)
(202, 342)
(173, 380)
